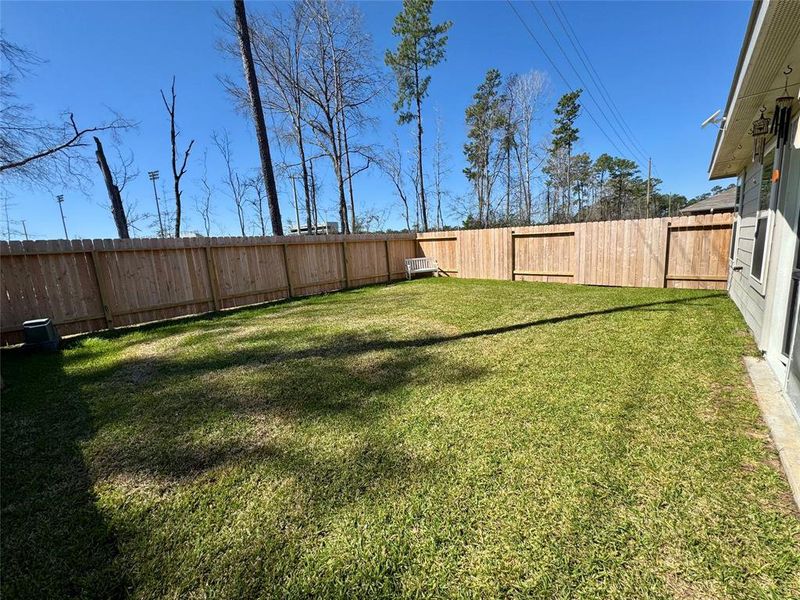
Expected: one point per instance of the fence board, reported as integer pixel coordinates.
(88, 285)
(442, 245)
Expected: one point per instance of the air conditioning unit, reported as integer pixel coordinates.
(41, 334)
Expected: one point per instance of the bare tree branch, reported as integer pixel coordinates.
(73, 142)
(177, 173)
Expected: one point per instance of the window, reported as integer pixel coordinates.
(759, 245)
(762, 217)
(737, 207)
(766, 181)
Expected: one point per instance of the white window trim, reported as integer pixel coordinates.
(757, 284)
(741, 180)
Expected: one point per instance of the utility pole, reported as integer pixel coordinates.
(649, 169)
(153, 176)
(60, 200)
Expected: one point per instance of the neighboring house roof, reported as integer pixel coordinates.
(725, 201)
(772, 41)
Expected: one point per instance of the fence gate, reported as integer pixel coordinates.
(697, 255)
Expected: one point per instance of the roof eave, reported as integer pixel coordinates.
(755, 11)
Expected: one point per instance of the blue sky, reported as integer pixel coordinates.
(667, 65)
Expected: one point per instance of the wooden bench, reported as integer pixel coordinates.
(421, 265)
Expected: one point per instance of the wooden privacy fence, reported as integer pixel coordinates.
(677, 252)
(88, 285)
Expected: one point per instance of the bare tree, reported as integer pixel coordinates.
(441, 170)
(177, 172)
(277, 44)
(203, 203)
(257, 185)
(114, 190)
(370, 221)
(313, 189)
(133, 217)
(391, 163)
(243, 33)
(323, 121)
(236, 187)
(528, 93)
(35, 151)
(340, 80)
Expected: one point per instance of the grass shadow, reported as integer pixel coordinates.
(55, 544)
(183, 414)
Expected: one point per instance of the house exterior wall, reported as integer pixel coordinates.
(764, 304)
(781, 262)
(746, 296)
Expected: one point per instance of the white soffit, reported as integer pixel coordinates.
(774, 44)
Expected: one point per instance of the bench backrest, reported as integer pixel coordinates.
(420, 264)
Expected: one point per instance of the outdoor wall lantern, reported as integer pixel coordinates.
(760, 133)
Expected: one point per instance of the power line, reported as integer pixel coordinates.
(595, 76)
(560, 74)
(578, 75)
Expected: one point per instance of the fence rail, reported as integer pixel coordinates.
(89, 285)
(685, 252)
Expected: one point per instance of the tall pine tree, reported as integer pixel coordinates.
(486, 120)
(421, 47)
(565, 134)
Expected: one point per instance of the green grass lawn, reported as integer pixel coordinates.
(442, 438)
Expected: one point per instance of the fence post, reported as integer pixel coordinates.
(458, 254)
(666, 254)
(510, 247)
(286, 268)
(102, 289)
(211, 268)
(388, 262)
(344, 263)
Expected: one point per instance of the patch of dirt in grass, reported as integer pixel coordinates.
(721, 396)
(142, 485)
(689, 590)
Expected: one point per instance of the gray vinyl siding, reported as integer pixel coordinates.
(749, 301)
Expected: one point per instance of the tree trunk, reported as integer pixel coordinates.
(342, 198)
(313, 184)
(547, 206)
(258, 117)
(508, 184)
(117, 208)
(569, 182)
(300, 141)
(423, 203)
(302, 151)
(177, 208)
(336, 156)
(349, 175)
